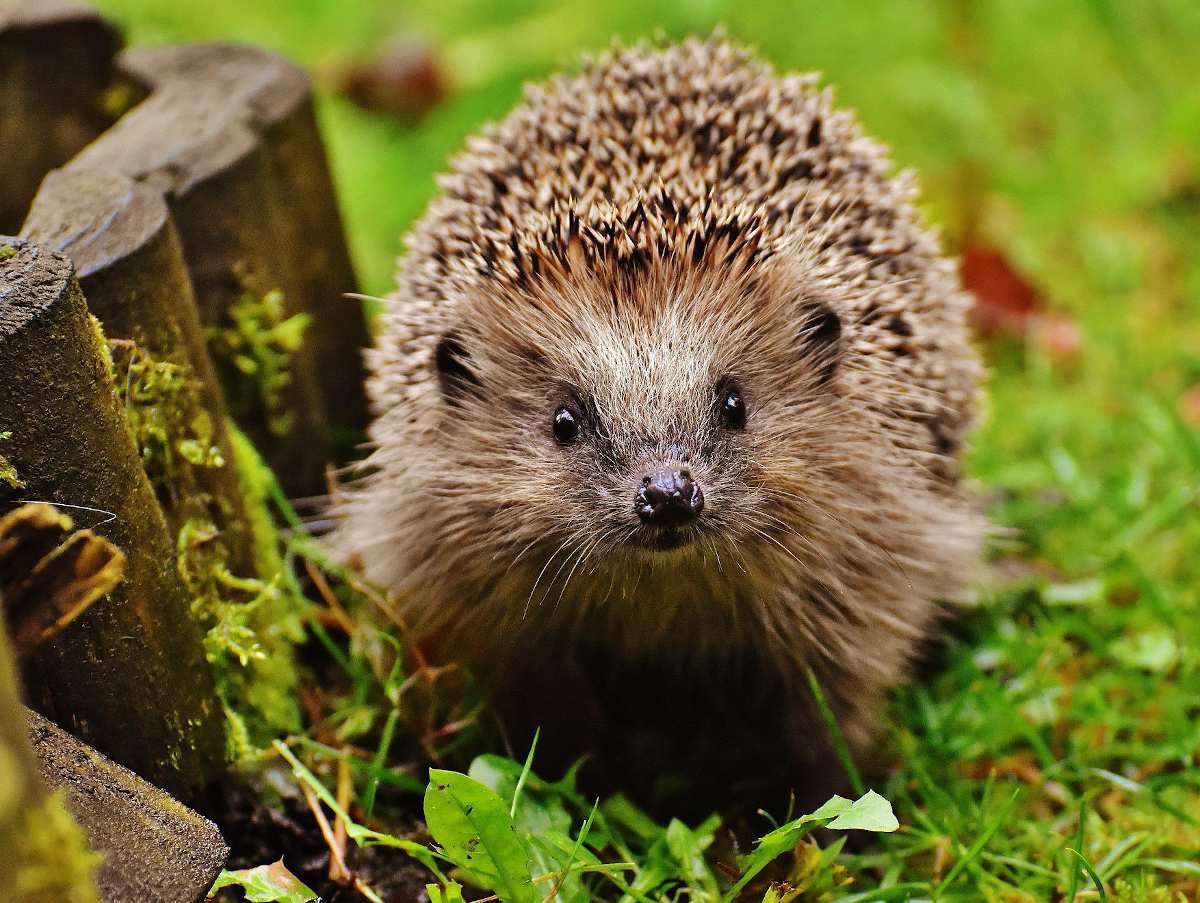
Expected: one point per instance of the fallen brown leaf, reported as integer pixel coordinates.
(1008, 304)
(49, 575)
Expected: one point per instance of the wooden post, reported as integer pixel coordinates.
(156, 850)
(129, 676)
(227, 134)
(129, 262)
(57, 71)
(314, 234)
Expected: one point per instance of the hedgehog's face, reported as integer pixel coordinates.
(676, 429)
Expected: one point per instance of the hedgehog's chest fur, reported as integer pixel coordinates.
(674, 375)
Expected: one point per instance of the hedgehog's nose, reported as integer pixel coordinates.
(668, 498)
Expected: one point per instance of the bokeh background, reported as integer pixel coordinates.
(1058, 143)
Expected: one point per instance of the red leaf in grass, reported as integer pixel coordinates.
(1005, 301)
(1008, 304)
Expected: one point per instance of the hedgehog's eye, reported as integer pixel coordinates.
(566, 424)
(733, 407)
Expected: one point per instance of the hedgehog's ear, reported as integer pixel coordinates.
(455, 376)
(821, 337)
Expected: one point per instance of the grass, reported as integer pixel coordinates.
(1051, 753)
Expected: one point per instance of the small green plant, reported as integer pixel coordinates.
(501, 828)
(254, 350)
(169, 427)
(8, 473)
(266, 884)
(251, 622)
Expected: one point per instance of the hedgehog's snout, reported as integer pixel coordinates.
(668, 498)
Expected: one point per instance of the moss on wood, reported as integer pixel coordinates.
(71, 447)
(54, 863)
(254, 351)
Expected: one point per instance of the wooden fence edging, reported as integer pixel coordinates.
(120, 236)
(129, 676)
(156, 850)
(50, 110)
(227, 134)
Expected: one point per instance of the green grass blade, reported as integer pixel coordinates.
(512, 810)
(977, 847)
(1087, 867)
(835, 734)
(1073, 882)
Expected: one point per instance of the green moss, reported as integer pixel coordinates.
(171, 430)
(54, 864)
(254, 350)
(252, 625)
(8, 473)
(251, 622)
(255, 478)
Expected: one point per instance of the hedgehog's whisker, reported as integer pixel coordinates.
(585, 551)
(576, 536)
(771, 539)
(541, 574)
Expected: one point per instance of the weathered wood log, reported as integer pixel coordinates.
(280, 96)
(156, 850)
(30, 826)
(57, 78)
(227, 133)
(129, 676)
(127, 256)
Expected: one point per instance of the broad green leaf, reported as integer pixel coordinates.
(451, 893)
(497, 772)
(833, 807)
(472, 825)
(542, 818)
(623, 813)
(267, 884)
(688, 848)
(540, 809)
(870, 812)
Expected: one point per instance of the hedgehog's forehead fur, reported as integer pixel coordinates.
(635, 234)
(647, 345)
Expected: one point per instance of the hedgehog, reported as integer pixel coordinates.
(670, 401)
